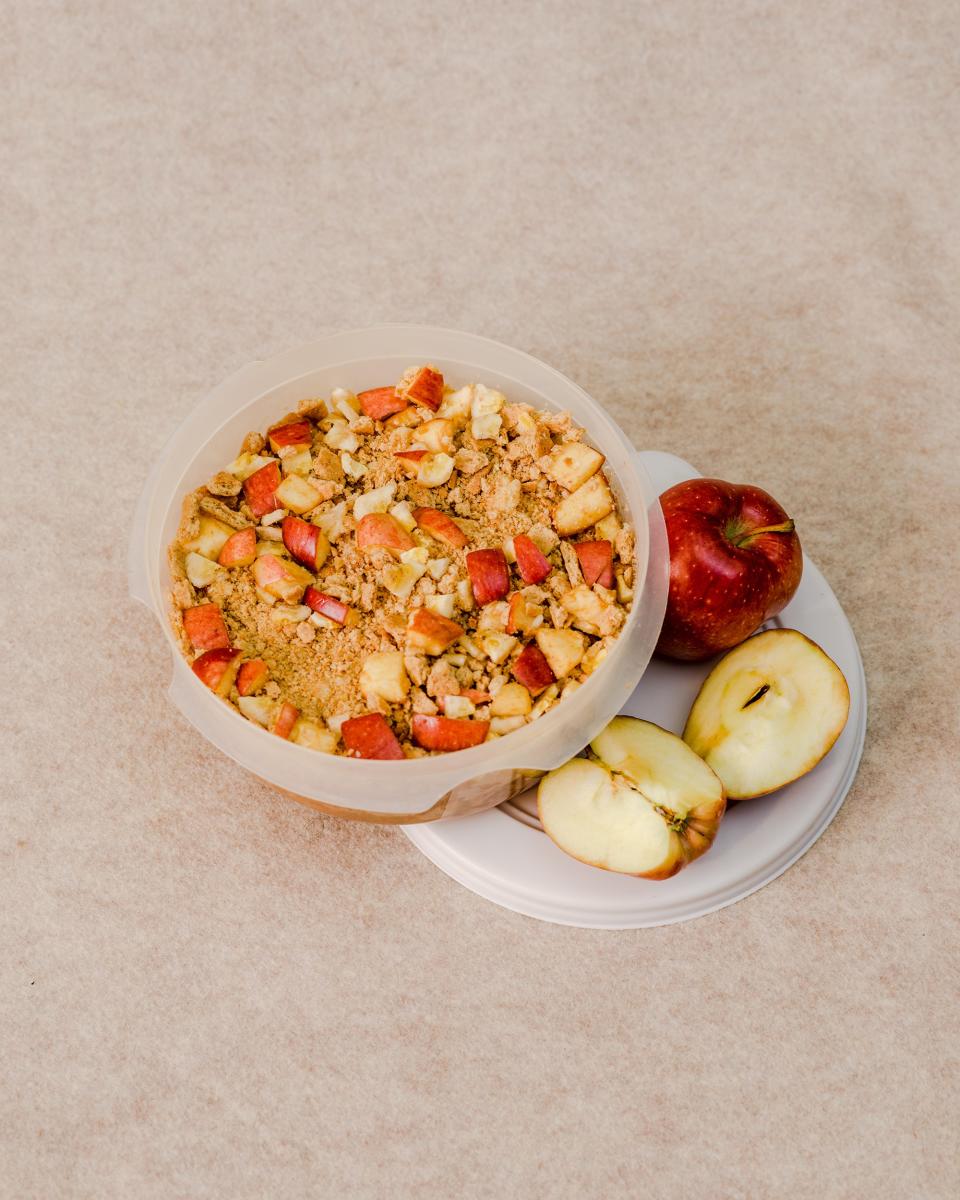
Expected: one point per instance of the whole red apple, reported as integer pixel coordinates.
(735, 561)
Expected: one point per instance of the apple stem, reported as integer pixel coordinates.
(786, 527)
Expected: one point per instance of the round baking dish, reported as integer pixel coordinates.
(423, 789)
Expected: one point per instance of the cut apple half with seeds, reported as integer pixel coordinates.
(768, 712)
(648, 807)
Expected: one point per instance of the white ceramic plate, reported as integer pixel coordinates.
(504, 856)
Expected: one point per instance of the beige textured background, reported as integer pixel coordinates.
(734, 223)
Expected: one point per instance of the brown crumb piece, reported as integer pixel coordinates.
(442, 680)
(420, 702)
(624, 544)
(189, 525)
(216, 508)
(253, 443)
(326, 465)
(314, 408)
(224, 484)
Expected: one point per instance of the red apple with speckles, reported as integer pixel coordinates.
(735, 561)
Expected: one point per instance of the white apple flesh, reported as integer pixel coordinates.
(647, 806)
(768, 712)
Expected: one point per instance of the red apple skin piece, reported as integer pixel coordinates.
(440, 526)
(294, 433)
(532, 563)
(327, 606)
(303, 541)
(252, 676)
(410, 459)
(489, 575)
(532, 669)
(426, 388)
(384, 532)
(204, 627)
(370, 736)
(380, 403)
(216, 668)
(240, 549)
(735, 562)
(596, 562)
(446, 733)
(471, 694)
(429, 632)
(260, 488)
(285, 720)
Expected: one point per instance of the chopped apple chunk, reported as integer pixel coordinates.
(200, 571)
(562, 648)
(584, 507)
(383, 674)
(211, 538)
(572, 464)
(430, 633)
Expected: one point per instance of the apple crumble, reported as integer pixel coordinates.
(409, 570)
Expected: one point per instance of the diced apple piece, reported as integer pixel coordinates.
(400, 578)
(572, 464)
(434, 470)
(496, 646)
(584, 507)
(203, 625)
(532, 669)
(298, 463)
(489, 575)
(532, 563)
(768, 712)
(444, 606)
(596, 562)
(545, 701)
(341, 437)
(330, 607)
(437, 435)
(429, 633)
(409, 461)
(494, 617)
(441, 527)
(499, 726)
(211, 538)
(607, 528)
(370, 736)
(458, 707)
(512, 700)
(522, 616)
(314, 736)
(377, 500)
(200, 571)
(562, 648)
(485, 419)
(260, 489)
(380, 403)
(307, 543)
(383, 674)
(290, 614)
(218, 669)
(422, 385)
(464, 593)
(456, 406)
(240, 549)
(297, 495)
(344, 401)
(444, 733)
(384, 532)
(285, 720)
(595, 654)
(353, 468)
(261, 709)
(404, 514)
(248, 464)
(589, 613)
(280, 578)
(293, 433)
(648, 807)
(332, 521)
(437, 568)
(252, 676)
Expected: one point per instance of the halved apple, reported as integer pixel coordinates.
(768, 712)
(648, 807)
